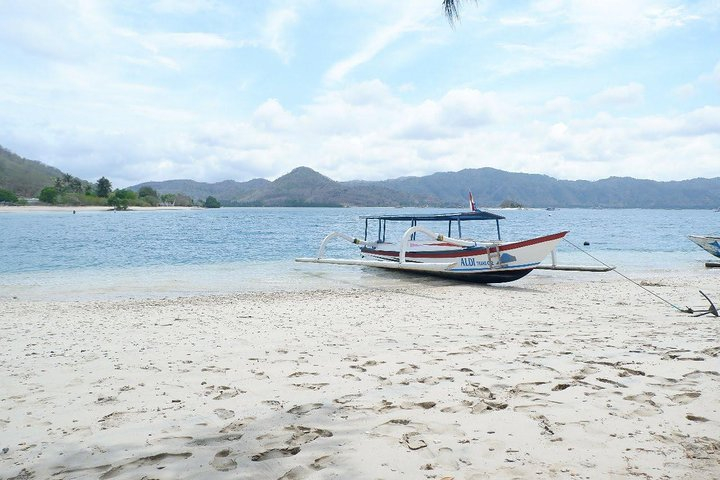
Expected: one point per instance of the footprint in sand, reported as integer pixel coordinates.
(143, 462)
(684, 398)
(275, 453)
(446, 459)
(384, 406)
(227, 392)
(423, 405)
(302, 435)
(407, 370)
(116, 419)
(461, 407)
(237, 425)
(296, 473)
(23, 475)
(224, 413)
(487, 406)
(303, 409)
(477, 390)
(413, 441)
(544, 424)
(712, 351)
(213, 368)
(205, 441)
(322, 463)
(347, 398)
(310, 386)
(292, 436)
(222, 461)
(644, 397)
(274, 404)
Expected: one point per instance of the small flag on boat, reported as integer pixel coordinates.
(472, 202)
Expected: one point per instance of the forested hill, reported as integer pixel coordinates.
(301, 187)
(490, 187)
(25, 177)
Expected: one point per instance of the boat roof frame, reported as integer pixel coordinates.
(437, 217)
(433, 217)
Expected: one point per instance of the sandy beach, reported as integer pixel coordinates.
(77, 209)
(537, 379)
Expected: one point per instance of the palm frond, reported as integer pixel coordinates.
(452, 10)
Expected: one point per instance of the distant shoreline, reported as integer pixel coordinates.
(79, 209)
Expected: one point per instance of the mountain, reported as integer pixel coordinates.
(491, 187)
(301, 187)
(306, 187)
(25, 177)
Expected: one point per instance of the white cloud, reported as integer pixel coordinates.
(411, 20)
(713, 78)
(272, 116)
(186, 7)
(579, 32)
(630, 94)
(520, 21)
(275, 31)
(193, 40)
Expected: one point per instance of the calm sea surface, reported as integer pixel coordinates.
(60, 255)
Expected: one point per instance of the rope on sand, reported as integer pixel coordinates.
(711, 310)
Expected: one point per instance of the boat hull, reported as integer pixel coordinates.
(502, 276)
(708, 243)
(498, 263)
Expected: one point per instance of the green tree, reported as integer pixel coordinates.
(121, 199)
(511, 204)
(68, 184)
(147, 192)
(8, 196)
(211, 202)
(183, 200)
(75, 185)
(168, 198)
(103, 187)
(48, 195)
(148, 196)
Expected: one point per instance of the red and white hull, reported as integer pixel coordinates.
(484, 262)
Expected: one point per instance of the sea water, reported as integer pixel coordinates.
(159, 253)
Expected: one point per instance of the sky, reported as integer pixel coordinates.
(211, 90)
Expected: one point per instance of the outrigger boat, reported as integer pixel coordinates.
(493, 261)
(708, 243)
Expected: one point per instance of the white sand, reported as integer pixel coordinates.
(537, 379)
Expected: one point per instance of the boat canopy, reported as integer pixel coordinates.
(436, 217)
(432, 217)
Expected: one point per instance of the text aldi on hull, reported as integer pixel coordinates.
(482, 261)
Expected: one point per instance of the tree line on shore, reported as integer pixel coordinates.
(70, 190)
